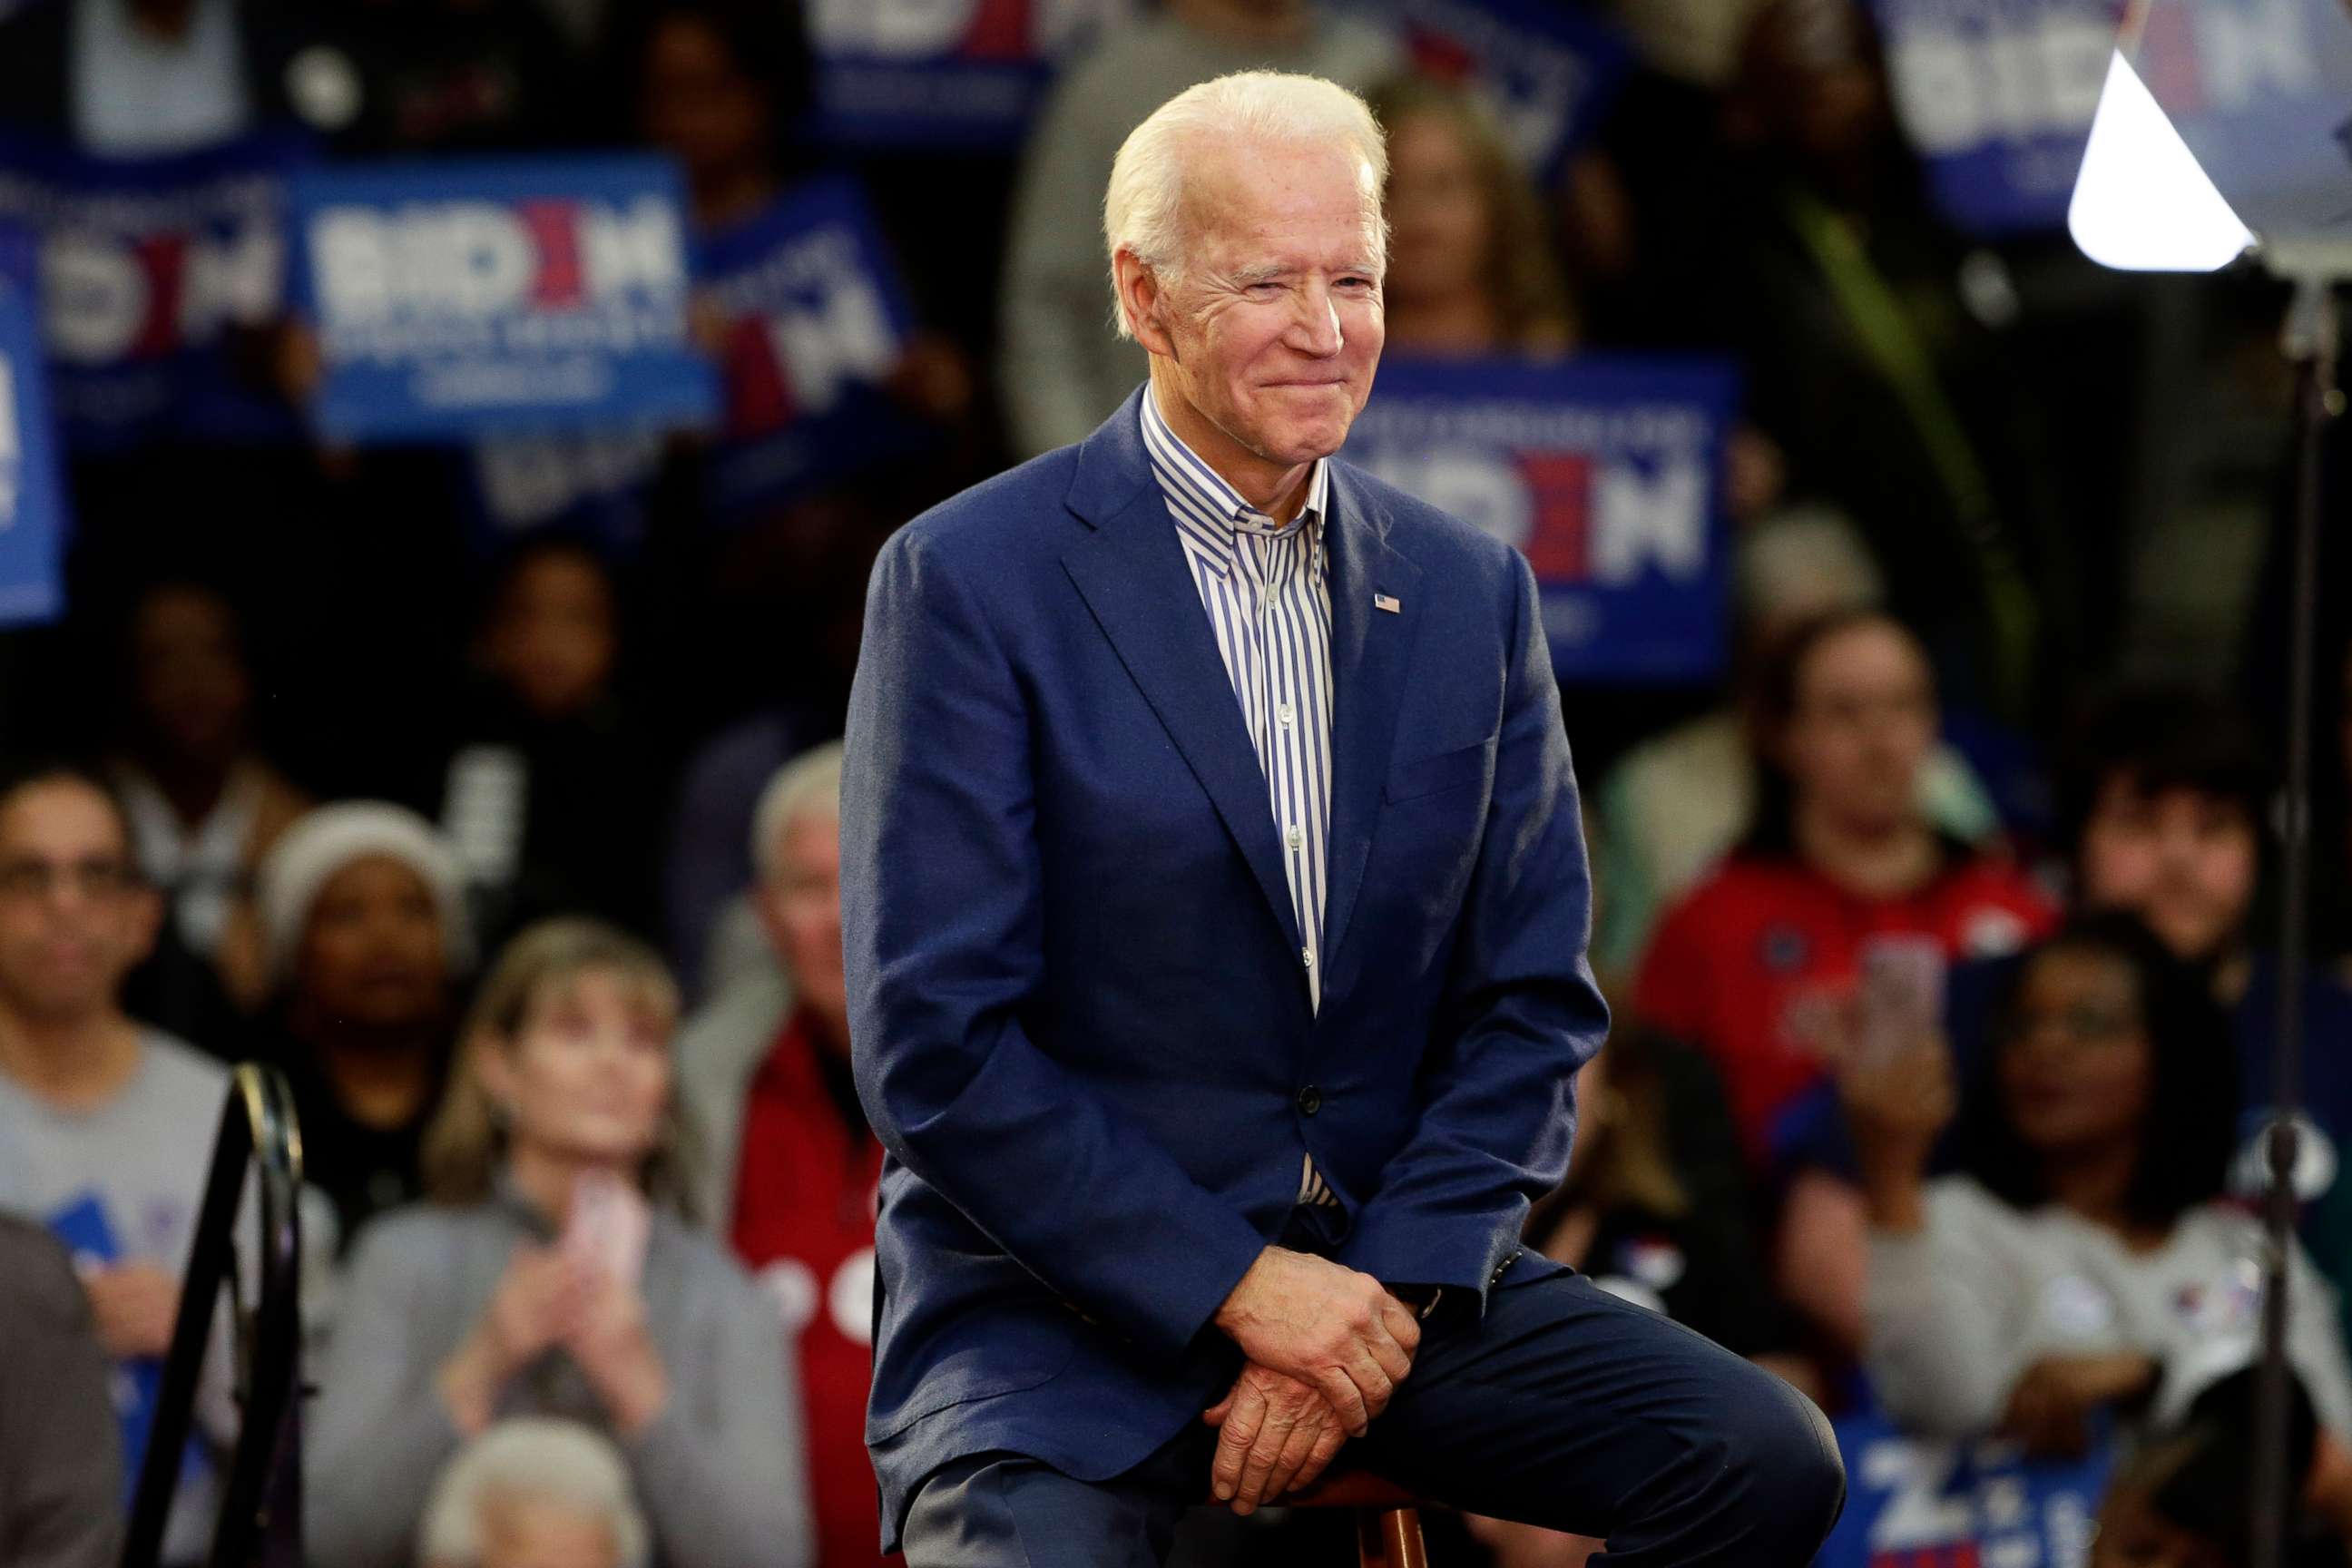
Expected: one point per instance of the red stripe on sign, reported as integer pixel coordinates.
(999, 31)
(1559, 541)
(162, 263)
(759, 397)
(554, 229)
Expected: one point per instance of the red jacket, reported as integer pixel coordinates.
(804, 1224)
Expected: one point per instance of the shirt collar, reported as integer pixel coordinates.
(1208, 508)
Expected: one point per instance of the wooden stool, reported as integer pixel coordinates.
(1388, 1517)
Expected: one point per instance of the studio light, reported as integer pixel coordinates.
(2142, 203)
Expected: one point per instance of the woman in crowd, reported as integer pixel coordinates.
(1752, 964)
(365, 936)
(1470, 270)
(1674, 806)
(2084, 1260)
(551, 1275)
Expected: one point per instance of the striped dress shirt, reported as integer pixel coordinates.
(1266, 589)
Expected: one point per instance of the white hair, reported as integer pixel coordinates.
(1143, 209)
(545, 1460)
(810, 783)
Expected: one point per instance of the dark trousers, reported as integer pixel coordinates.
(1562, 1407)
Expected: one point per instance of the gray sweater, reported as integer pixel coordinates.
(1958, 1312)
(722, 1473)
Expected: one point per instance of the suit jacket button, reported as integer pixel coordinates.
(1310, 1100)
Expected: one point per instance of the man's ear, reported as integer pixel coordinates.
(147, 911)
(1144, 303)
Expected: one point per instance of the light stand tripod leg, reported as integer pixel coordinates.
(2310, 341)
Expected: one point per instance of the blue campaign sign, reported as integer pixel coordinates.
(954, 74)
(1914, 1502)
(1547, 71)
(460, 300)
(32, 489)
(83, 1229)
(816, 318)
(1997, 97)
(1606, 473)
(2258, 91)
(150, 267)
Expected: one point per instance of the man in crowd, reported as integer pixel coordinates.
(106, 1126)
(1216, 906)
(789, 1165)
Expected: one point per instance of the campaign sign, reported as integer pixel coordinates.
(458, 299)
(595, 487)
(1915, 1502)
(2258, 91)
(1606, 473)
(149, 268)
(1997, 97)
(949, 74)
(1546, 71)
(816, 317)
(32, 494)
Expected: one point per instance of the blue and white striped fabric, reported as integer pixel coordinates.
(1266, 588)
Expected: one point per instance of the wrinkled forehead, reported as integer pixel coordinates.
(1247, 192)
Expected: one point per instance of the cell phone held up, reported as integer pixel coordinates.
(1900, 995)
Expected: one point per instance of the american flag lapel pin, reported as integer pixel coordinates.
(1387, 602)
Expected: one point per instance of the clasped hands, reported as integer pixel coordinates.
(1327, 1347)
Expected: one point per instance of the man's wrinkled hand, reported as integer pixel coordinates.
(1276, 1435)
(1330, 1327)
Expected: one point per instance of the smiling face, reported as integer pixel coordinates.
(1265, 340)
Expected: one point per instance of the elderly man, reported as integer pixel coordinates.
(1214, 908)
(788, 1165)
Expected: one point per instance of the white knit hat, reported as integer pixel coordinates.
(324, 841)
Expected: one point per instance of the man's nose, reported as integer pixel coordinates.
(1315, 330)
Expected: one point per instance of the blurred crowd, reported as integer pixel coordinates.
(1937, 935)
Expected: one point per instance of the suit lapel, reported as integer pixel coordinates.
(1133, 573)
(1372, 650)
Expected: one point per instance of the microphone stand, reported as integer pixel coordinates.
(2310, 342)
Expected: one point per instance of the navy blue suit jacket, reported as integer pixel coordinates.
(1077, 1003)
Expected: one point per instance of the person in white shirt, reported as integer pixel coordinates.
(2086, 1259)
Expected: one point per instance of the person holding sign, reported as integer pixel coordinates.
(1215, 906)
